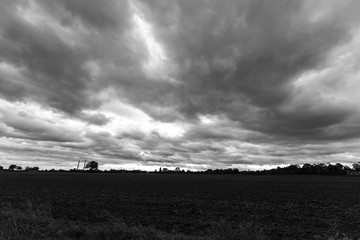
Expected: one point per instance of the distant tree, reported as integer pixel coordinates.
(12, 167)
(341, 169)
(308, 168)
(356, 166)
(337, 169)
(209, 170)
(321, 168)
(339, 166)
(294, 169)
(347, 169)
(31, 168)
(19, 168)
(177, 169)
(1, 168)
(92, 165)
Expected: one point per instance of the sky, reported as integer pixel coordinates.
(143, 84)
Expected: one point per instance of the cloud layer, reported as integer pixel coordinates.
(194, 84)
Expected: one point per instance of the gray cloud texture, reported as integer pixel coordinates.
(274, 75)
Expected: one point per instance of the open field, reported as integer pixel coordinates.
(281, 207)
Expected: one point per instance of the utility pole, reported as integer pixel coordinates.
(84, 165)
(77, 168)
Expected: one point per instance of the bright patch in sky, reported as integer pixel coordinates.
(31, 13)
(155, 66)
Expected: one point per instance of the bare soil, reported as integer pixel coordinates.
(285, 207)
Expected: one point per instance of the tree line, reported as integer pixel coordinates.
(14, 167)
(306, 169)
(310, 169)
(91, 166)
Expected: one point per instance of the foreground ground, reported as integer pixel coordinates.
(179, 206)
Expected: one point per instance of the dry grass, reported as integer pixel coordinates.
(36, 222)
(333, 236)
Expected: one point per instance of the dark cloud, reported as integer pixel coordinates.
(54, 53)
(23, 125)
(246, 81)
(101, 15)
(96, 118)
(240, 58)
(134, 135)
(52, 70)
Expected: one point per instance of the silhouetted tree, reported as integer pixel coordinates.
(317, 169)
(12, 167)
(356, 166)
(31, 168)
(292, 169)
(321, 169)
(307, 169)
(1, 168)
(347, 169)
(19, 168)
(92, 165)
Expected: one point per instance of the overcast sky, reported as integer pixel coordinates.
(193, 83)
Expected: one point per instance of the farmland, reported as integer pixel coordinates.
(283, 207)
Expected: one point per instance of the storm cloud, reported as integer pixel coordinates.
(194, 84)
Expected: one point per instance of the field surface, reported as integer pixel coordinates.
(284, 207)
